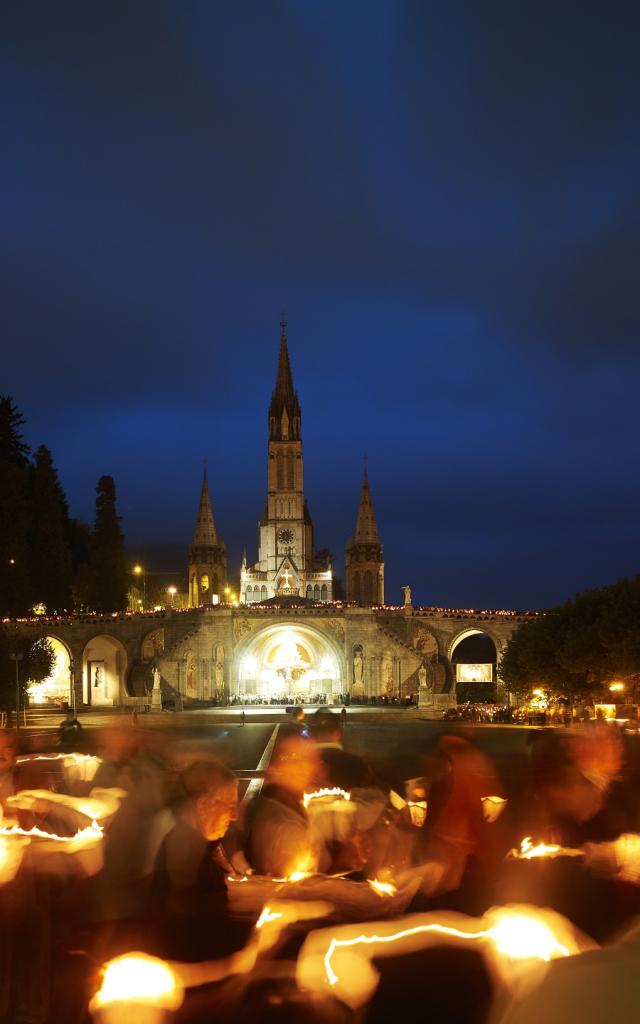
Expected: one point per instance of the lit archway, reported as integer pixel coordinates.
(474, 657)
(290, 661)
(104, 667)
(57, 688)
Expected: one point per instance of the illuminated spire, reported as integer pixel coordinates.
(205, 534)
(366, 527)
(284, 411)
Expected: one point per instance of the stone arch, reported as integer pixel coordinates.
(56, 689)
(474, 660)
(289, 659)
(152, 645)
(104, 671)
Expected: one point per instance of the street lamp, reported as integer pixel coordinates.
(171, 591)
(72, 683)
(139, 571)
(17, 658)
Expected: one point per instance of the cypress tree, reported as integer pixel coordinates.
(107, 559)
(49, 552)
(15, 512)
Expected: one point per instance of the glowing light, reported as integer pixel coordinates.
(528, 851)
(492, 807)
(93, 833)
(268, 916)
(616, 687)
(12, 850)
(382, 888)
(137, 569)
(138, 978)
(320, 794)
(515, 935)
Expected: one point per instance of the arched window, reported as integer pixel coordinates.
(368, 587)
(263, 593)
(316, 593)
(356, 587)
(324, 593)
(249, 594)
(280, 470)
(310, 593)
(290, 471)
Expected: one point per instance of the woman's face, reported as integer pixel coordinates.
(216, 811)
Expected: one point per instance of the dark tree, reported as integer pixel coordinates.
(15, 512)
(108, 575)
(49, 551)
(38, 660)
(580, 648)
(12, 447)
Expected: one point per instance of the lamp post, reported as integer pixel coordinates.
(139, 571)
(17, 658)
(171, 591)
(72, 683)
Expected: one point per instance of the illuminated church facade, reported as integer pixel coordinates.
(284, 636)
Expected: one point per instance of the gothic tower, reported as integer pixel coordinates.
(285, 566)
(364, 556)
(208, 560)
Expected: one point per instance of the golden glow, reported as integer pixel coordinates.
(492, 807)
(382, 888)
(268, 916)
(137, 569)
(528, 851)
(12, 850)
(616, 687)
(477, 673)
(336, 794)
(171, 590)
(515, 935)
(138, 978)
(92, 834)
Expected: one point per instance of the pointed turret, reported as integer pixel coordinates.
(366, 528)
(205, 533)
(364, 555)
(208, 560)
(284, 411)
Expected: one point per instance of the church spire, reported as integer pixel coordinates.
(284, 411)
(366, 527)
(205, 533)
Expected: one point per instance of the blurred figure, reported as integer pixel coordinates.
(278, 836)
(337, 767)
(70, 731)
(597, 987)
(189, 891)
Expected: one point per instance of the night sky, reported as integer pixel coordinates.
(445, 200)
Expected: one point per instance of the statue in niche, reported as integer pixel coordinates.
(407, 596)
(191, 689)
(219, 670)
(387, 675)
(422, 677)
(97, 678)
(156, 677)
(358, 670)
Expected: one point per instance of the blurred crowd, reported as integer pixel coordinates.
(182, 832)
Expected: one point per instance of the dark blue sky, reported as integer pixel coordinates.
(444, 198)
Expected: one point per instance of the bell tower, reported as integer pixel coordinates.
(285, 566)
(364, 555)
(208, 558)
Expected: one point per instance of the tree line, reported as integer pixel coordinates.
(580, 648)
(47, 557)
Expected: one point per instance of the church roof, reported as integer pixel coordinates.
(366, 527)
(284, 396)
(205, 533)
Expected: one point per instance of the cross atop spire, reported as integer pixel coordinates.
(205, 533)
(284, 398)
(366, 527)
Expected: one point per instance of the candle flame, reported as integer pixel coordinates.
(91, 833)
(138, 978)
(268, 916)
(528, 851)
(382, 888)
(335, 792)
(514, 935)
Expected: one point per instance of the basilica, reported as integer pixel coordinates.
(287, 568)
(285, 636)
